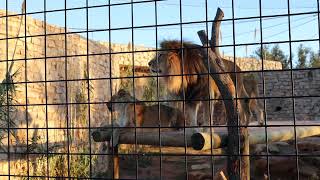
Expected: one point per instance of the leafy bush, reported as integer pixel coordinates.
(149, 90)
(7, 92)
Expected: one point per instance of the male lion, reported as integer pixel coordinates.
(182, 70)
(134, 113)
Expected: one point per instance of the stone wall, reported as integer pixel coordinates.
(123, 62)
(278, 89)
(288, 98)
(32, 89)
(252, 64)
(48, 53)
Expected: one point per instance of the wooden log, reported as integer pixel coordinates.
(276, 134)
(245, 159)
(116, 167)
(257, 135)
(168, 138)
(201, 141)
(147, 149)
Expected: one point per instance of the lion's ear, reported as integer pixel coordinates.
(122, 92)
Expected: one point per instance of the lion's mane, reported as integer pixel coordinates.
(186, 60)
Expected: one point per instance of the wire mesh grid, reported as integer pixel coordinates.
(60, 85)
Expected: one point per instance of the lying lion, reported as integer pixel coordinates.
(132, 113)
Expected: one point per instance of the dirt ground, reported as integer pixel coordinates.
(281, 158)
(172, 168)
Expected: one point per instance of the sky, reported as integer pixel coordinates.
(274, 29)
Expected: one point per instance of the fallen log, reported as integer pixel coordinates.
(201, 141)
(148, 149)
(144, 137)
(257, 135)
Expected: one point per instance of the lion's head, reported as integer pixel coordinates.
(124, 107)
(175, 61)
(119, 99)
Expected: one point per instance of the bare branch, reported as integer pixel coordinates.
(226, 88)
(228, 92)
(215, 36)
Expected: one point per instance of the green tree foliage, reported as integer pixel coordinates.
(278, 55)
(274, 54)
(303, 53)
(150, 92)
(264, 53)
(314, 59)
